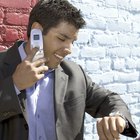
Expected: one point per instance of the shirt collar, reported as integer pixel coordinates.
(22, 52)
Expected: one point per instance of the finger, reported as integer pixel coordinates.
(100, 129)
(42, 69)
(39, 62)
(31, 55)
(113, 127)
(106, 128)
(120, 123)
(39, 76)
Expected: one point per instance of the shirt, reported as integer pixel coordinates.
(40, 106)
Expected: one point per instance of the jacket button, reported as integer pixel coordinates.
(26, 126)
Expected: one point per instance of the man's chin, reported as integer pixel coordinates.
(53, 66)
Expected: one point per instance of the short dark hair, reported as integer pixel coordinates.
(49, 13)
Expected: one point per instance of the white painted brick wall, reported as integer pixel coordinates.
(109, 50)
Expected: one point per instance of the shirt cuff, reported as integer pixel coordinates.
(17, 90)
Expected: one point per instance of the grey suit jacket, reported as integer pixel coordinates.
(74, 94)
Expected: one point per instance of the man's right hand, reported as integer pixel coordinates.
(27, 72)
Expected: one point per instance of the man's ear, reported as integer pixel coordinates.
(36, 25)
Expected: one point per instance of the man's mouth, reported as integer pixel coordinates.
(59, 57)
(61, 53)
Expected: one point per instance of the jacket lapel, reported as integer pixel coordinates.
(61, 80)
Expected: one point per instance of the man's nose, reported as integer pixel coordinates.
(67, 51)
(69, 46)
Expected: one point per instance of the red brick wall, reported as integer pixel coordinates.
(13, 21)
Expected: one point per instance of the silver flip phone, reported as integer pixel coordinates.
(37, 41)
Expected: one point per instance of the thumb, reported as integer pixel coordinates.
(32, 53)
(121, 124)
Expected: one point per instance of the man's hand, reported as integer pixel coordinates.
(109, 128)
(27, 72)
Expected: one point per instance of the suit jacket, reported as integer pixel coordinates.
(74, 93)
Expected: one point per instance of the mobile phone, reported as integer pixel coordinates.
(37, 41)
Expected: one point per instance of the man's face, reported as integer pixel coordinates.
(58, 43)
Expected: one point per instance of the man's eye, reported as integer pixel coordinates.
(61, 39)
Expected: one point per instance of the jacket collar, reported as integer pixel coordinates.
(12, 58)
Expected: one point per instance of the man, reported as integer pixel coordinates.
(46, 99)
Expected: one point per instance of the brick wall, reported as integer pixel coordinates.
(108, 48)
(13, 20)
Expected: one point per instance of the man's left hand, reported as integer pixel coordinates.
(110, 127)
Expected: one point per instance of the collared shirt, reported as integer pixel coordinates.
(40, 106)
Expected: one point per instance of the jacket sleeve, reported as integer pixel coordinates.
(9, 100)
(101, 102)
